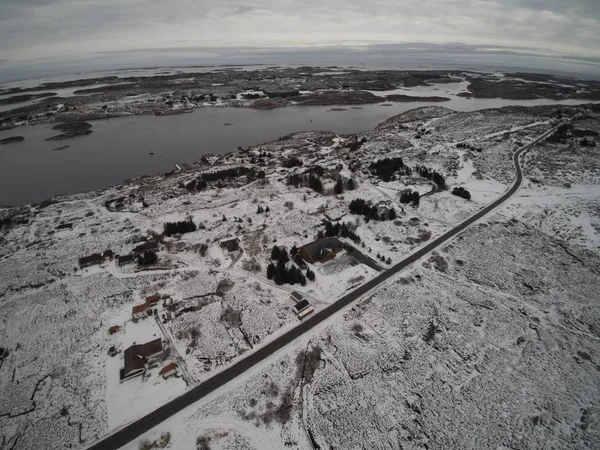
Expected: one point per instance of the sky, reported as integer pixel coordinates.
(92, 33)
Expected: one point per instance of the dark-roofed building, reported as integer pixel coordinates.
(321, 250)
(146, 246)
(136, 357)
(91, 260)
(230, 246)
(126, 259)
(301, 306)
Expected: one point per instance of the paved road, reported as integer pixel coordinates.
(140, 426)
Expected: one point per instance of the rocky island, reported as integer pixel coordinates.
(275, 87)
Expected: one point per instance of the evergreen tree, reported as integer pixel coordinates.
(283, 255)
(275, 252)
(271, 271)
(310, 274)
(267, 209)
(293, 250)
(339, 186)
(350, 185)
(280, 273)
(392, 214)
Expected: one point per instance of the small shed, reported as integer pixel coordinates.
(169, 370)
(139, 312)
(114, 329)
(296, 296)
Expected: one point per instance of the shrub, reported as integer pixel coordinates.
(461, 192)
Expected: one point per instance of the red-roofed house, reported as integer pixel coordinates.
(139, 312)
(152, 300)
(168, 370)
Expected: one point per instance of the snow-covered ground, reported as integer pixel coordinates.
(366, 379)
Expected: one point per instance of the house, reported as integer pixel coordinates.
(146, 246)
(296, 296)
(108, 254)
(152, 300)
(321, 250)
(168, 370)
(136, 357)
(91, 260)
(231, 246)
(125, 259)
(139, 312)
(301, 306)
(114, 329)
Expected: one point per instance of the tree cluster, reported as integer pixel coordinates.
(261, 210)
(292, 162)
(183, 226)
(282, 94)
(432, 175)
(587, 143)
(560, 133)
(219, 175)
(354, 144)
(410, 196)
(468, 146)
(281, 274)
(339, 229)
(386, 168)
(368, 211)
(311, 180)
(461, 192)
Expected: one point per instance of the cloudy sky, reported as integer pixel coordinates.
(55, 30)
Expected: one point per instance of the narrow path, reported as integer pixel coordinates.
(140, 426)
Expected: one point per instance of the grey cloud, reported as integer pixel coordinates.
(36, 28)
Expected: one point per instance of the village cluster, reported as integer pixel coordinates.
(159, 284)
